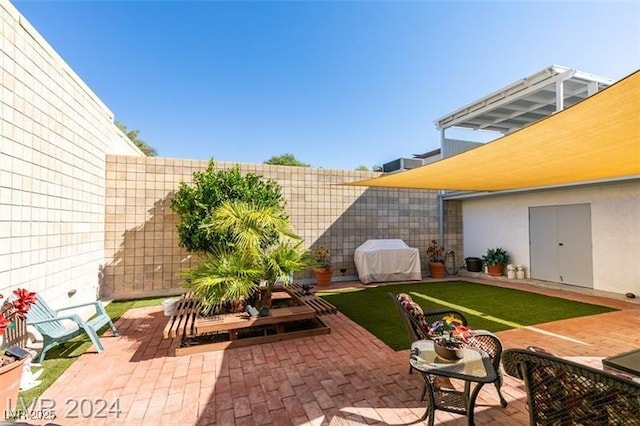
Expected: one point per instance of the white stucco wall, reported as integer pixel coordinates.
(54, 137)
(503, 220)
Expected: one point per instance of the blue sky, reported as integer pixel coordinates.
(337, 84)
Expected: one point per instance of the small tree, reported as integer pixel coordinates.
(133, 135)
(261, 250)
(285, 160)
(362, 168)
(195, 204)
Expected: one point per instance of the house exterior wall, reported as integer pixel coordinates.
(451, 147)
(54, 135)
(503, 220)
(142, 252)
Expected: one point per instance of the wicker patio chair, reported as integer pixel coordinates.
(492, 345)
(562, 392)
(415, 320)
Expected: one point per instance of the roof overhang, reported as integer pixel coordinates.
(597, 139)
(526, 101)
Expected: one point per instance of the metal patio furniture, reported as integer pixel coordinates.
(475, 367)
(415, 320)
(492, 345)
(627, 363)
(563, 392)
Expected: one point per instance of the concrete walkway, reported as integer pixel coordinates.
(348, 377)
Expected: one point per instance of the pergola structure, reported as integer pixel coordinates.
(595, 140)
(525, 101)
(560, 130)
(509, 109)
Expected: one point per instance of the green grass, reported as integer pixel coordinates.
(61, 357)
(485, 307)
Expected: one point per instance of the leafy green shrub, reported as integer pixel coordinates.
(195, 203)
(496, 256)
(262, 250)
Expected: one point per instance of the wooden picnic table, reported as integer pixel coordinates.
(234, 322)
(318, 304)
(181, 323)
(186, 323)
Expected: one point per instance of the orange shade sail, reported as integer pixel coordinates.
(596, 139)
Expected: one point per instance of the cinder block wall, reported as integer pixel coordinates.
(54, 135)
(142, 255)
(74, 223)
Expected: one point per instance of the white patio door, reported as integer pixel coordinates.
(560, 244)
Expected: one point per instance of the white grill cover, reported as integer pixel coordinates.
(387, 260)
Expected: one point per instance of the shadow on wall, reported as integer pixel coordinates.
(145, 259)
(384, 213)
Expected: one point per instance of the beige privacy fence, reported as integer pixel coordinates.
(143, 256)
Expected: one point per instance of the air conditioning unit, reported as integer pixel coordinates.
(402, 164)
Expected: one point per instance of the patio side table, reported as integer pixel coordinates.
(628, 363)
(475, 367)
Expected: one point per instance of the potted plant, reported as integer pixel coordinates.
(10, 361)
(435, 255)
(495, 259)
(449, 336)
(323, 270)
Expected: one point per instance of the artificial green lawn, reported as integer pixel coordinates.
(373, 309)
(61, 357)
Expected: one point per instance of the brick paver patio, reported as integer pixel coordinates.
(348, 377)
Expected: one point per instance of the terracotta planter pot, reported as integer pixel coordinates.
(495, 270)
(9, 387)
(436, 269)
(323, 276)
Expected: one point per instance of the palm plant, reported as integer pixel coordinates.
(262, 250)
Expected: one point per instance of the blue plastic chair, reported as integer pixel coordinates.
(54, 327)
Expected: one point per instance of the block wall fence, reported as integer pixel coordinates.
(54, 137)
(143, 256)
(83, 214)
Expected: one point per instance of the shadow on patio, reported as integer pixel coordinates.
(346, 377)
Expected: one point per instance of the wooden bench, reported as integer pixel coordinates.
(182, 322)
(318, 304)
(234, 322)
(185, 323)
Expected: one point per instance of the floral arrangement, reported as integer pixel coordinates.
(435, 252)
(18, 308)
(449, 332)
(323, 258)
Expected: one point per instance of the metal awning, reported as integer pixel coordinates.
(526, 101)
(597, 139)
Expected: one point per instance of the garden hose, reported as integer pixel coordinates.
(454, 270)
